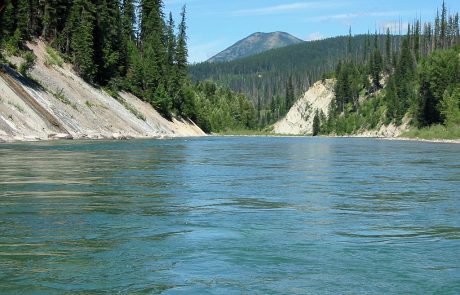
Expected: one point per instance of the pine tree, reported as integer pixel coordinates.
(181, 49)
(443, 26)
(437, 32)
(23, 19)
(290, 96)
(181, 61)
(82, 39)
(388, 47)
(376, 65)
(108, 41)
(316, 124)
(7, 22)
(417, 40)
(135, 73)
(129, 19)
(349, 46)
(171, 57)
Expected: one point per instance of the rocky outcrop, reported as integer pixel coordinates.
(299, 120)
(60, 105)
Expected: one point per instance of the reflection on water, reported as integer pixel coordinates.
(230, 216)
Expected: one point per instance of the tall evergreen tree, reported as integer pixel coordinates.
(181, 56)
(82, 39)
(388, 47)
(129, 19)
(290, 96)
(316, 124)
(417, 40)
(7, 21)
(443, 26)
(23, 18)
(108, 41)
(171, 58)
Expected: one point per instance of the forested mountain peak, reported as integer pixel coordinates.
(254, 44)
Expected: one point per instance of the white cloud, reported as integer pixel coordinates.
(354, 15)
(286, 8)
(314, 36)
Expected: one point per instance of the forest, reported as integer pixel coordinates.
(273, 80)
(421, 80)
(121, 45)
(413, 70)
(134, 46)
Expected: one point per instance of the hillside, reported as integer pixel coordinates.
(299, 119)
(254, 44)
(60, 105)
(264, 77)
(318, 98)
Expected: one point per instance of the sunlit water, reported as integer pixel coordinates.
(230, 216)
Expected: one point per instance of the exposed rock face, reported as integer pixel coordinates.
(63, 106)
(299, 120)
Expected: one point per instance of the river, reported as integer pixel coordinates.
(231, 215)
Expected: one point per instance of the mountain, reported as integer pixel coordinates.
(265, 75)
(254, 44)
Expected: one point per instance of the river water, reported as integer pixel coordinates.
(242, 215)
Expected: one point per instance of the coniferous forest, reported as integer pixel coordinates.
(421, 80)
(123, 45)
(134, 46)
(412, 71)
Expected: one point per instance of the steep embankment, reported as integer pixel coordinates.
(299, 120)
(62, 105)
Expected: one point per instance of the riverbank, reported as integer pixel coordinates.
(53, 102)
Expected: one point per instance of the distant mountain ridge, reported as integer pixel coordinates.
(255, 44)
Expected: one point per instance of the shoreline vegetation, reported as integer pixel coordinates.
(135, 62)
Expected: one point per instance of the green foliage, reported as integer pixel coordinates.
(7, 20)
(14, 43)
(219, 109)
(61, 97)
(316, 124)
(82, 41)
(376, 67)
(438, 73)
(29, 62)
(450, 107)
(128, 106)
(435, 131)
(53, 57)
(419, 82)
(89, 104)
(264, 78)
(161, 101)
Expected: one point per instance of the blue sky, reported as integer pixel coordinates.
(214, 25)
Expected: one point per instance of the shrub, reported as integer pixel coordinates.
(29, 62)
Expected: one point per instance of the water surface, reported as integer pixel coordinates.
(230, 216)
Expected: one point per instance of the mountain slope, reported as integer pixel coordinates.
(254, 44)
(62, 105)
(264, 76)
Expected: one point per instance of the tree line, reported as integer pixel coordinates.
(421, 77)
(126, 45)
(273, 80)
